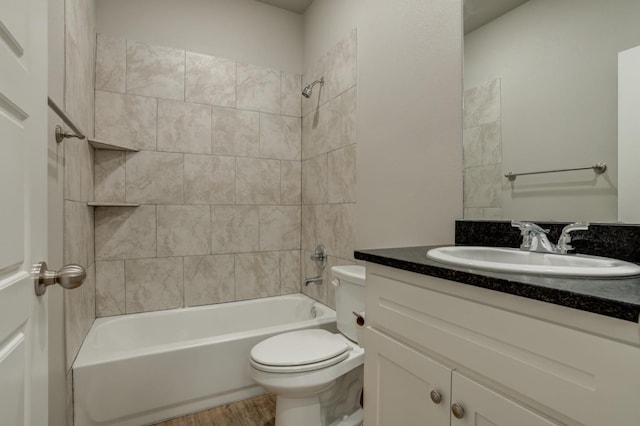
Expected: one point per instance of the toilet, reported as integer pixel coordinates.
(315, 374)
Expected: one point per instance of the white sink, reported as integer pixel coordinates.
(525, 262)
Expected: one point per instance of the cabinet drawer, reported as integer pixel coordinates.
(570, 372)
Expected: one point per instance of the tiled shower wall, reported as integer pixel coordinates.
(482, 142)
(329, 163)
(78, 170)
(217, 176)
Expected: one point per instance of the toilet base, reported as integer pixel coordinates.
(337, 405)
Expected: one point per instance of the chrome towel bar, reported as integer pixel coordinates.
(598, 168)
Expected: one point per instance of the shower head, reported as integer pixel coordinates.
(306, 92)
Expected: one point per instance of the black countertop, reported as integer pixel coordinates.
(612, 297)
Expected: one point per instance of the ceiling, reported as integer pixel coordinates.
(296, 6)
(476, 12)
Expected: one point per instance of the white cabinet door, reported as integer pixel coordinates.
(399, 382)
(484, 407)
(23, 204)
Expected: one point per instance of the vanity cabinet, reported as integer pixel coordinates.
(490, 354)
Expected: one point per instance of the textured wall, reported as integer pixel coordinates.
(329, 163)
(218, 177)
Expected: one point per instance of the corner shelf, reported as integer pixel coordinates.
(106, 145)
(112, 204)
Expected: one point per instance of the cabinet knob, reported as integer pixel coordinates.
(435, 396)
(457, 410)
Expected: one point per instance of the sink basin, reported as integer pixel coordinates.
(524, 262)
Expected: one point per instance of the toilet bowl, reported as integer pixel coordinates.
(315, 374)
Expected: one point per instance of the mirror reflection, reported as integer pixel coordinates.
(541, 93)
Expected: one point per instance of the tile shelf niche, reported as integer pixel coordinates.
(96, 144)
(110, 146)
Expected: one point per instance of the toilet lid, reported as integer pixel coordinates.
(300, 348)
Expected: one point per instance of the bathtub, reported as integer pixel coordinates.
(142, 368)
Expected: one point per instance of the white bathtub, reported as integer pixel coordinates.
(141, 368)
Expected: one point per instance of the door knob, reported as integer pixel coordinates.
(457, 410)
(69, 277)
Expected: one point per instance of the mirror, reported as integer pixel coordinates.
(541, 93)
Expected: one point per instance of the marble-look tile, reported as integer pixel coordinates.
(291, 98)
(78, 170)
(234, 229)
(311, 270)
(184, 127)
(291, 182)
(315, 180)
(491, 143)
(154, 284)
(323, 130)
(79, 84)
(341, 71)
(482, 104)
(342, 175)
(155, 71)
(290, 272)
(209, 179)
(109, 172)
(308, 228)
(335, 229)
(77, 227)
(209, 279)
(210, 80)
(111, 63)
(472, 146)
(125, 119)
(155, 177)
(473, 212)
(110, 288)
(183, 230)
(280, 137)
(483, 186)
(258, 88)
(125, 232)
(257, 181)
(235, 132)
(349, 111)
(257, 275)
(279, 228)
(492, 213)
(73, 323)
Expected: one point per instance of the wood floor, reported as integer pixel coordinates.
(258, 411)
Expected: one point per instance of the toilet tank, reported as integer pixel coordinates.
(350, 293)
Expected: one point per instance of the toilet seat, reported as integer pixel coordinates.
(299, 351)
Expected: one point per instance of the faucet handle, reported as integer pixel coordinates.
(528, 230)
(565, 236)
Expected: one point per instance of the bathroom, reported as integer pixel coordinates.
(247, 211)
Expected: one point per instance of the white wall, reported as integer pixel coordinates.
(629, 134)
(409, 124)
(243, 30)
(557, 61)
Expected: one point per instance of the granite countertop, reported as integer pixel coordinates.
(612, 297)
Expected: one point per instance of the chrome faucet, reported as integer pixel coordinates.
(565, 237)
(534, 238)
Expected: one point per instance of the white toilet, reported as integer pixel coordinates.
(317, 375)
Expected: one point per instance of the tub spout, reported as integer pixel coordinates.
(314, 280)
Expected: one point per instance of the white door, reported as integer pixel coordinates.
(23, 203)
(476, 405)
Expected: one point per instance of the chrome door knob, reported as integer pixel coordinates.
(69, 277)
(435, 396)
(457, 410)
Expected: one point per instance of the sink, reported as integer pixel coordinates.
(500, 259)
